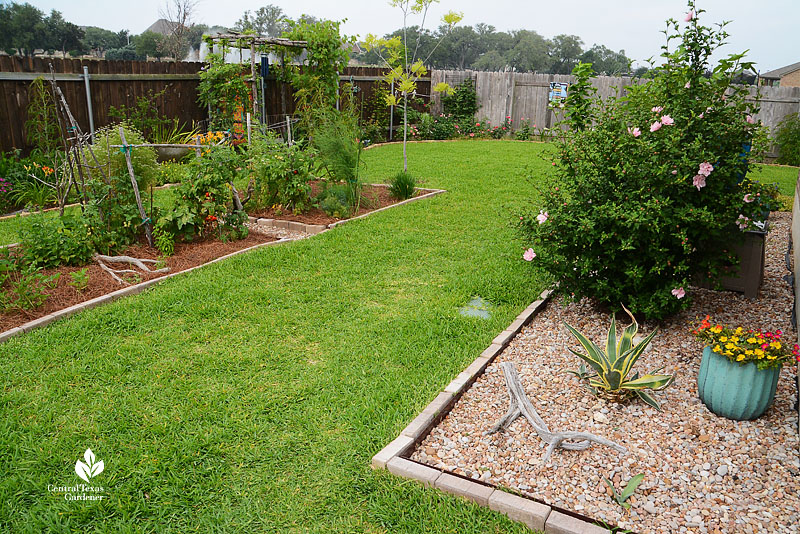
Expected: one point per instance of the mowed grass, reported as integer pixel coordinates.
(250, 395)
(783, 175)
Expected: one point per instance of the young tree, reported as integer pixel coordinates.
(405, 68)
(180, 15)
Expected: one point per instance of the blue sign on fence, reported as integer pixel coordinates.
(558, 92)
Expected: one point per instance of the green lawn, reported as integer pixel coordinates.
(250, 396)
(785, 177)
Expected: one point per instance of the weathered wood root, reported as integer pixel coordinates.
(520, 405)
(137, 262)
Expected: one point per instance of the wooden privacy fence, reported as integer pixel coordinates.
(109, 83)
(121, 83)
(525, 96)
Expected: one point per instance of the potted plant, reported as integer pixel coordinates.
(740, 368)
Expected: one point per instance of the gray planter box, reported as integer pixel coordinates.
(749, 275)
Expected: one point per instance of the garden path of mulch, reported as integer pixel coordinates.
(703, 473)
(186, 255)
(373, 197)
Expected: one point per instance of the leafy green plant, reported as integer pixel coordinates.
(223, 88)
(787, 136)
(649, 196)
(144, 115)
(33, 194)
(462, 103)
(79, 279)
(334, 201)
(171, 173)
(526, 131)
(402, 185)
(41, 128)
(280, 173)
(51, 242)
(111, 161)
(200, 204)
(339, 149)
(614, 363)
(627, 492)
(164, 241)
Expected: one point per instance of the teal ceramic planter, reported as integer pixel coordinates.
(735, 391)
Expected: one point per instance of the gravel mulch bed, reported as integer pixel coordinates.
(703, 473)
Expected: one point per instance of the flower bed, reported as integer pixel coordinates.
(186, 256)
(373, 197)
(702, 472)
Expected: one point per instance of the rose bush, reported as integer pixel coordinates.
(649, 187)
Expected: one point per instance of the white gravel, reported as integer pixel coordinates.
(703, 473)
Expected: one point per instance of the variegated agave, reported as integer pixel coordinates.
(613, 364)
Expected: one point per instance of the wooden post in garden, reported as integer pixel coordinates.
(197, 151)
(145, 219)
(253, 78)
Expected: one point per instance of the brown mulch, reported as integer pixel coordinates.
(186, 255)
(372, 198)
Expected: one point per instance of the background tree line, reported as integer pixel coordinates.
(25, 28)
(482, 47)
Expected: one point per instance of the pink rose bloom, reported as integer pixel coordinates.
(657, 109)
(529, 255)
(750, 119)
(472, 135)
(705, 168)
(701, 115)
(666, 120)
(636, 132)
(689, 16)
(748, 198)
(699, 181)
(655, 126)
(688, 85)
(678, 293)
(674, 172)
(542, 217)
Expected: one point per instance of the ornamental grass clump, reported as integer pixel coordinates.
(764, 348)
(649, 187)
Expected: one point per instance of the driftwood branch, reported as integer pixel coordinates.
(137, 262)
(520, 405)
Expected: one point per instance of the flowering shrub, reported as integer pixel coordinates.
(651, 194)
(739, 345)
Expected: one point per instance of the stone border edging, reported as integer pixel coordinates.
(109, 297)
(393, 457)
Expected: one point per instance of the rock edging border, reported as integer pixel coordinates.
(394, 457)
(309, 229)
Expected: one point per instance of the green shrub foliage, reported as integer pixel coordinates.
(788, 139)
(655, 192)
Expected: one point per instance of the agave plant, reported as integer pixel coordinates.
(614, 364)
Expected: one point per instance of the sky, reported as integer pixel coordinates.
(767, 28)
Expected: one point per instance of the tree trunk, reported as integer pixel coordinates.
(405, 131)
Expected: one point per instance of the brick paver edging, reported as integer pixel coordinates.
(394, 457)
(309, 229)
